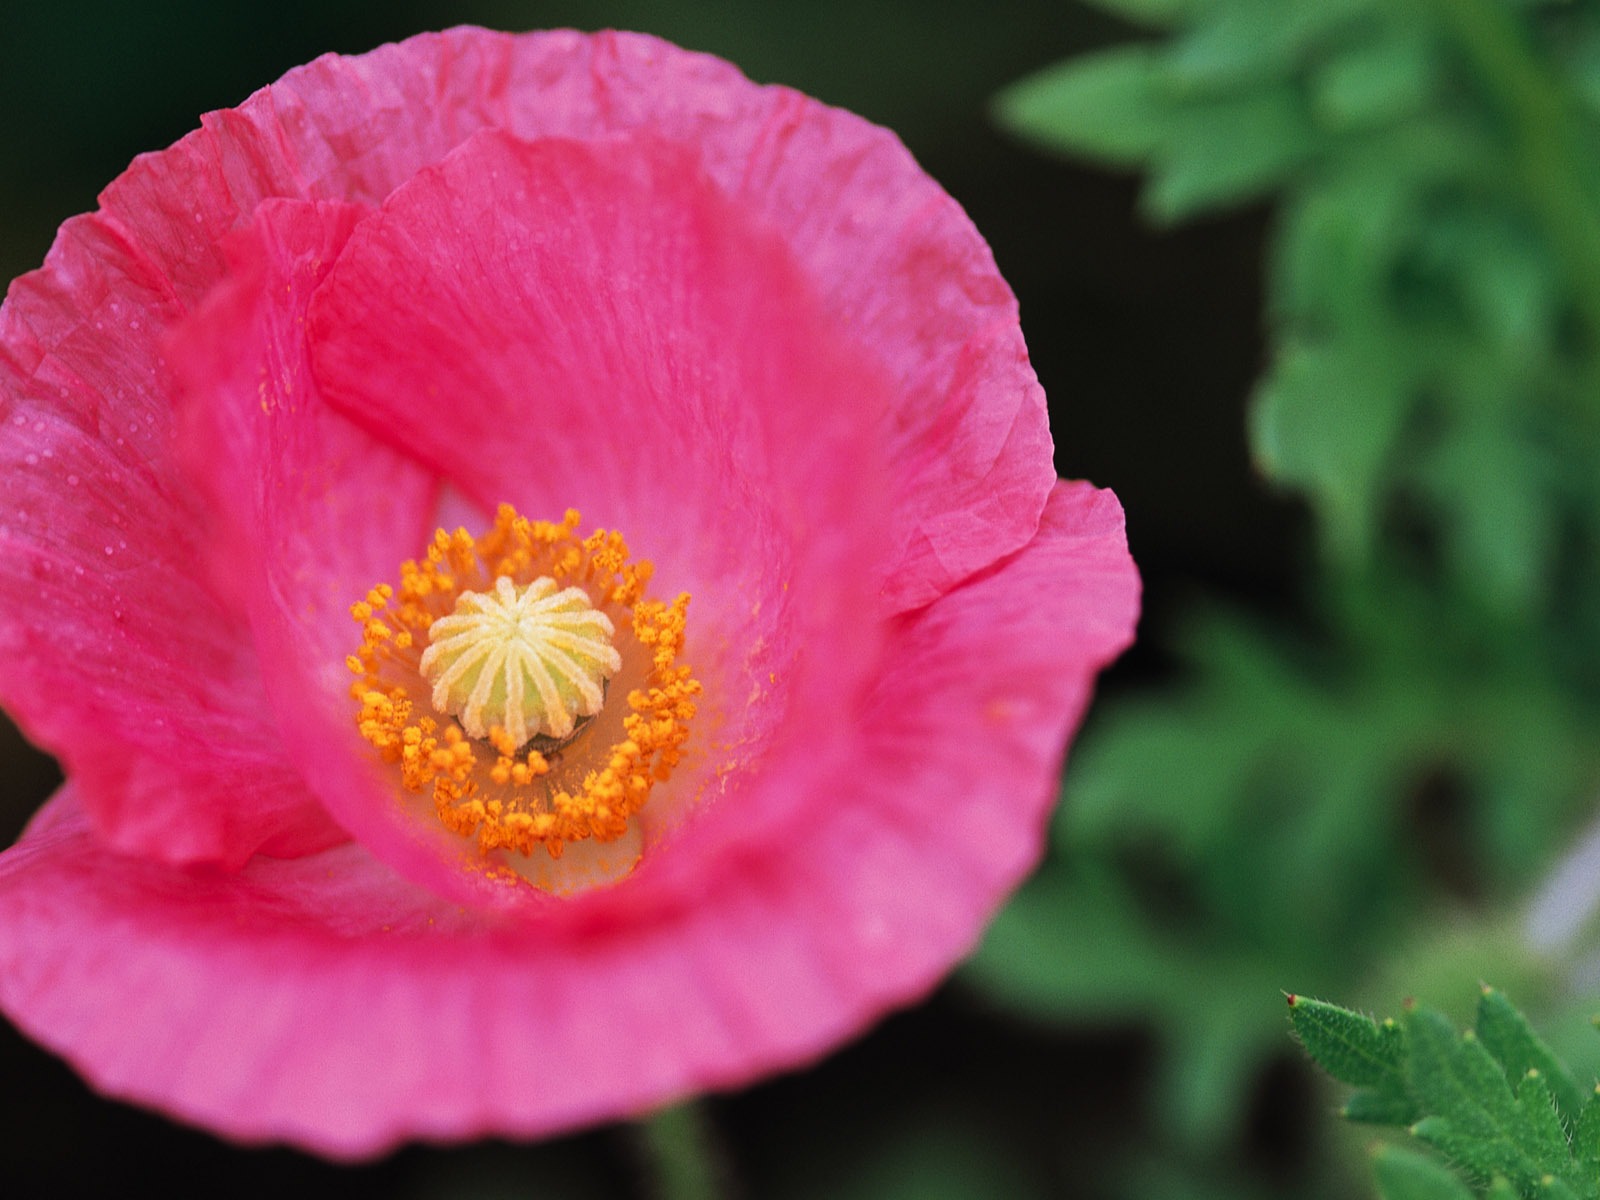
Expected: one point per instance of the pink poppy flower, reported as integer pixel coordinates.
(520, 872)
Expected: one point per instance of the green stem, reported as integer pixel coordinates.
(680, 1145)
(1548, 140)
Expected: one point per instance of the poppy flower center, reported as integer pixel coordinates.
(522, 682)
(530, 660)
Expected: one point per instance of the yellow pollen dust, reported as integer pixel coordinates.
(526, 633)
(531, 660)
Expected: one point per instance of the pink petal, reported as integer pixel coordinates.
(331, 511)
(118, 658)
(327, 1002)
(316, 511)
(552, 325)
(152, 702)
(893, 257)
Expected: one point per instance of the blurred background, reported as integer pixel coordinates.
(1354, 738)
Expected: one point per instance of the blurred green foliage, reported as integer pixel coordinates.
(1304, 801)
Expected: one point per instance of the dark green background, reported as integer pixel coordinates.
(1147, 345)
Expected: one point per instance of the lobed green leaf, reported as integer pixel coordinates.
(1328, 419)
(1227, 150)
(1506, 1034)
(1351, 1047)
(1404, 1175)
(1586, 1135)
(1490, 1101)
(1236, 44)
(1372, 1106)
(1375, 82)
(1541, 1126)
(1110, 105)
(1477, 1121)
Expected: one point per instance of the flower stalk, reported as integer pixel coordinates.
(680, 1146)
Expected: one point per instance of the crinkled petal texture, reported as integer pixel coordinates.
(557, 271)
(85, 393)
(547, 324)
(327, 1001)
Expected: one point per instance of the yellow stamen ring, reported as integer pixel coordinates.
(511, 635)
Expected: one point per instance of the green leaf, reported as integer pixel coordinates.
(1110, 105)
(1511, 1138)
(1553, 1188)
(1227, 150)
(1507, 285)
(1209, 1074)
(1357, 1050)
(1501, 529)
(1586, 1135)
(1069, 945)
(1506, 1034)
(1404, 1175)
(1479, 1123)
(1336, 252)
(1351, 1047)
(1374, 1106)
(1327, 420)
(1377, 81)
(1541, 1121)
(1234, 44)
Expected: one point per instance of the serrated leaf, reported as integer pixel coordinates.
(1404, 1175)
(1555, 1188)
(1370, 1106)
(1466, 1149)
(1586, 1134)
(1506, 1034)
(1351, 1047)
(1227, 150)
(1541, 1122)
(1478, 1122)
(1110, 105)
